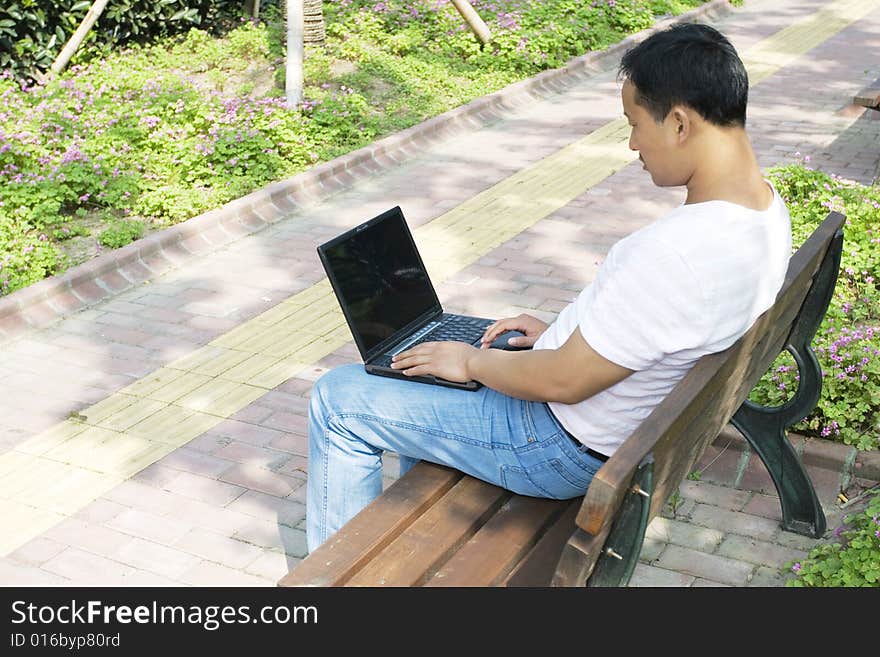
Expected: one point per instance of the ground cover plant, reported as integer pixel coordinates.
(852, 558)
(156, 134)
(847, 343)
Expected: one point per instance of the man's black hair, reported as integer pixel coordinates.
(690, 64)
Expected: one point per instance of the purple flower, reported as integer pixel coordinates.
(796, 567)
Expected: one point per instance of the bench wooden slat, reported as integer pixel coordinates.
(538, 566)
(500, 544)
(343, 554)
(416, 554)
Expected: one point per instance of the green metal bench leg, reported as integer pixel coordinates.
(801, 511)
(765, 427)
(616, 563)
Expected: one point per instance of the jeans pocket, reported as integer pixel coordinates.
(546, 479)
(579, 478)
(516, 479)
(527, 437)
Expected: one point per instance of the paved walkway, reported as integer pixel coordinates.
(152, 415)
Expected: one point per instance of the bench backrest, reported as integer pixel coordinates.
(678, 431)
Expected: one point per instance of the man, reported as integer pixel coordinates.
(689, 284)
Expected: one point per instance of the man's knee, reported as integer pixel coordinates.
(333, 385)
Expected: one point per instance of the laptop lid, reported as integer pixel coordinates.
(380, 282)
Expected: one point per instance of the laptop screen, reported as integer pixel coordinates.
(379, 278)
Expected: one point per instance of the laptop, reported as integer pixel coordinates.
(387, 297)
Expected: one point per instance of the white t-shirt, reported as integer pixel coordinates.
(689, 284)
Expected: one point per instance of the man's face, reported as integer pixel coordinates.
(657, 143)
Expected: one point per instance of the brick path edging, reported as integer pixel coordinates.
(847, 461)
(51, 299)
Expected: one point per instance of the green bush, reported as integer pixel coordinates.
(847, 343)
(120, 233)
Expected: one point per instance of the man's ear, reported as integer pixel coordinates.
(681, 123)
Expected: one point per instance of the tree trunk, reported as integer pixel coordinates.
(252, 7)
(293, 80)
(313, 22)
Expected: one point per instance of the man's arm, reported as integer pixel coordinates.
(569, 374)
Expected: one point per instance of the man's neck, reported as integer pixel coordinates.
(727, 170)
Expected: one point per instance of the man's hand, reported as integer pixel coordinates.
(448, 360)
(532, 327)
(569, 374)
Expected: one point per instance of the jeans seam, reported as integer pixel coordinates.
(326, 463)
(524, 471)
(490, 446)
(564, 472)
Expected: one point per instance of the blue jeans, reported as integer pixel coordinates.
(354, 417)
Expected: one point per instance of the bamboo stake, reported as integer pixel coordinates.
(477, 25)
(74, 42)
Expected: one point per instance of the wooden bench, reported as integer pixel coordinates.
(437, 527)
(869, 97)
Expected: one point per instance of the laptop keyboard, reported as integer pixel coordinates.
(457, 328)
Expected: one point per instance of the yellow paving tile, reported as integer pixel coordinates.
(112, 454)
(279, 312)
(280, 372)
(13, 464)
(223, 359)
(79, 448)
(192, 361)
(39, 473)
(264, 336)
(291, 344)
(154, 381)
(174, 425)
(70, 491)
(233, 338)
(107, 407)
(51, 437)
(248, 369)
(131, 456)
(220, 397)
(21, 523)
(179, 387)
(131, 415)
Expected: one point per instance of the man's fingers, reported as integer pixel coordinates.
(494, 330)
(411, 357)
